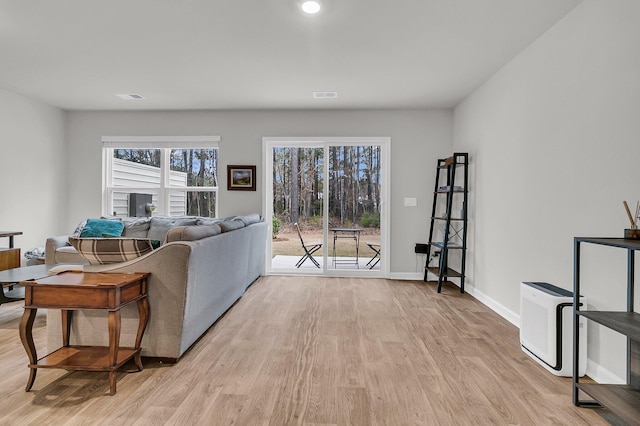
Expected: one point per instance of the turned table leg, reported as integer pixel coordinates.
(114, 343)
(65, 315)
(26, 336)
(143, 319)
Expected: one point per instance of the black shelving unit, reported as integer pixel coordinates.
(622, 400)
(451, 189)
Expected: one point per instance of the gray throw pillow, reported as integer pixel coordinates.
(79, 228)
(136, 227)
(249, 218)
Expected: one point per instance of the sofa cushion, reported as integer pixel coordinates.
(230, 225)
(100, 251)
(96, 228)
(249, 218)
(136, 227)
(161, 225)
(192, 233)
(208, 221)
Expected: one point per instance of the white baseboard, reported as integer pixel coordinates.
(602, 375)
(501, 310)
(498, 308)
(413, 276)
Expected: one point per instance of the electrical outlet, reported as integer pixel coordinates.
(410, 202)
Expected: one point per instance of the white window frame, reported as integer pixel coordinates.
(165, 144)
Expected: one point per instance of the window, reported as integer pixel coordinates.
(180, 174)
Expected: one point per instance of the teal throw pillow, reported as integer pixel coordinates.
(96, 228)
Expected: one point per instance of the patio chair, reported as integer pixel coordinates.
(308, 248)
(376, 257)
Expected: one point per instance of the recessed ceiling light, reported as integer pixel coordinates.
(325, 95)
(129, 96)
(310, 6)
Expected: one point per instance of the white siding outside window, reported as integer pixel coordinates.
(170, 190)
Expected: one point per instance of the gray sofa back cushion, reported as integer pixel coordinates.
(230, 225)
(161, 225)
(192, 233)
(208, 221)
(136, 227)
(249, 218)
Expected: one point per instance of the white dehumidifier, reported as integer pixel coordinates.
(546, 327)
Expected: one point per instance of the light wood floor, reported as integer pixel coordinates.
(312, 351)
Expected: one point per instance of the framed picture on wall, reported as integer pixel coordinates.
(241, 178)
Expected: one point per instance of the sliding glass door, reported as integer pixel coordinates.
(297, 212)
(325, 202)
(354, 190)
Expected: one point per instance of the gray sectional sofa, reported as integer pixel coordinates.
(199, 272)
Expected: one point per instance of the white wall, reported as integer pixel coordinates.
(32, 174)
(555, 142)
(418, 138)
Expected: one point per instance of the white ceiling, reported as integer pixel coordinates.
(256, 54)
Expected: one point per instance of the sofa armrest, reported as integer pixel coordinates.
(51, 245)
(168, 286)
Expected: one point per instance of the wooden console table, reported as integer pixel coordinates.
(78, 291)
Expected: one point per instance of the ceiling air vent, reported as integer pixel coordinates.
(325, 95)
(129, 96)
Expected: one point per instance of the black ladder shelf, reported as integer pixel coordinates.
(451, 224)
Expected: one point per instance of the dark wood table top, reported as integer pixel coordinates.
(15, 275)
(9, 233)
(86, 279)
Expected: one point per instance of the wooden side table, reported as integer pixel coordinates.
(9, 257)
(78, 291)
